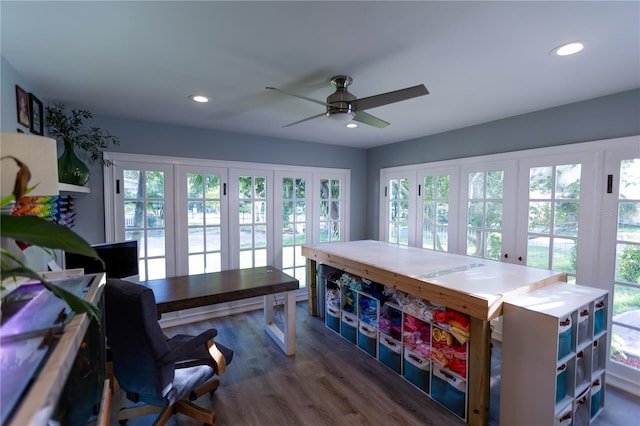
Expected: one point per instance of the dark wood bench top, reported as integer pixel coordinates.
(191, 291)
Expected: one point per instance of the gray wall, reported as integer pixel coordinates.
(606, 117)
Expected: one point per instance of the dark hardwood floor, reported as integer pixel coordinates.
(328, 382)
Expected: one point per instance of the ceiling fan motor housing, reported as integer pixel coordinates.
(339, 104)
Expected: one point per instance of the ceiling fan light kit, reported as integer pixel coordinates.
(344, 106)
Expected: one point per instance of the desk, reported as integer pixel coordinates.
(56, 381)
(467, 284)
(192, 291)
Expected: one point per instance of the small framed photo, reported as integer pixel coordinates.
(37, 125)
(22, 106)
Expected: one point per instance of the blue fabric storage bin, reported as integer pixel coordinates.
(332, 319)
(390, 352)
(367, 339)
(417, 369)
(564, 338)
(561, 383)
(596, 394)
(449, 391)
(598, 318)
(348, 328)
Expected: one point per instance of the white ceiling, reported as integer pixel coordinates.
(481, 61)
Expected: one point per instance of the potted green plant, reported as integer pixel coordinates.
(71, 131)
(42, 233)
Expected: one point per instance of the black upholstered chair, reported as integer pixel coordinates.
(165, 374)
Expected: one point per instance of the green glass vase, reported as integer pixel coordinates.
(70, 168)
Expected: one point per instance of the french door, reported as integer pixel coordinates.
(201, 218)
(251, 220)
(438, 191)
(488, 197)
(556, 199)
(398, 207)
(620, 260)
(142, 201)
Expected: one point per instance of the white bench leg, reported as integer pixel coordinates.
(285, 339)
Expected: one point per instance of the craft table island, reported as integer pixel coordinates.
(470, 285)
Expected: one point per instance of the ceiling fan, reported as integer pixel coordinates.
(342, 105)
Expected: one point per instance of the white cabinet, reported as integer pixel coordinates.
(553, 356)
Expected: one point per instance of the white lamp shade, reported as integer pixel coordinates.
(38, 153)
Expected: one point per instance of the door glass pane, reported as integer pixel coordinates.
(564, 254)
(156, 268)
(495, 184)
(567, 216)
(494, 215)
(538, 252)
(476, 185)
(539, 216)
(568, 182)
(540, 182)
(493, 245)
(625, 330)
(196, 240)
(132, 184)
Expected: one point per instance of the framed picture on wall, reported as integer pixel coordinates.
(37, 119)
(22, 106)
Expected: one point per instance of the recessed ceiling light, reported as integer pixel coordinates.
(199, 98)
(352, 125)
(568, 49)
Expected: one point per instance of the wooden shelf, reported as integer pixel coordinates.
(73, 188)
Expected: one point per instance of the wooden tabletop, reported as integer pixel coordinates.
(191, 291)
(469, 284)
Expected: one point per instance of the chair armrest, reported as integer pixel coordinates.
(193, 349)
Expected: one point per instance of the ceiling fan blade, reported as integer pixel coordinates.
(366, 118)
(297, 96)
(305, 119)
(390, 97)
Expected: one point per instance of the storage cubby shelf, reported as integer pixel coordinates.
(425, 343)
(555, 358)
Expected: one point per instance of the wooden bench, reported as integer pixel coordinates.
(192, 291)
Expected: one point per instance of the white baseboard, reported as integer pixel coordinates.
(624, 384)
